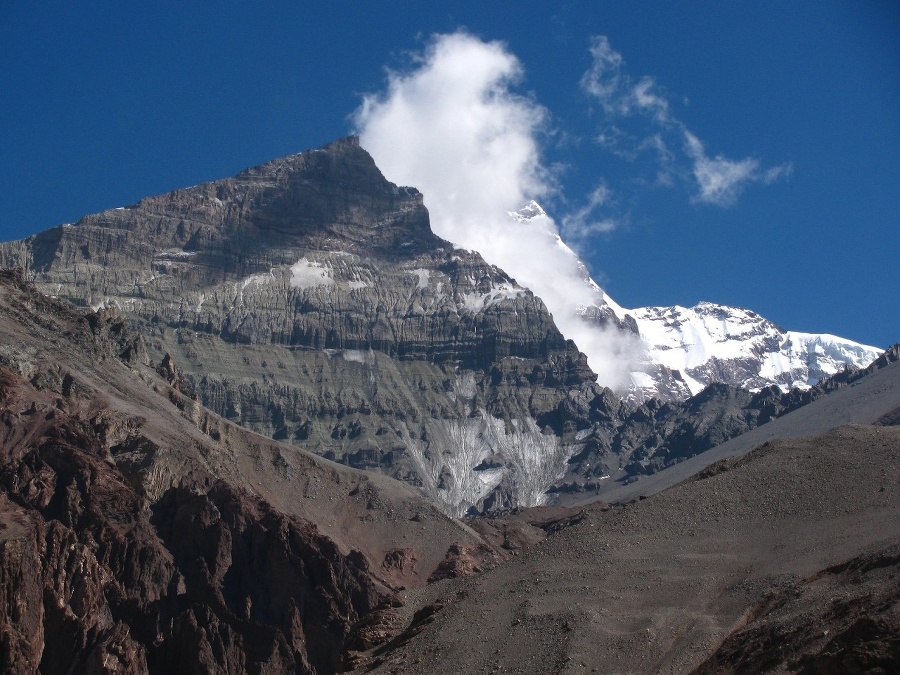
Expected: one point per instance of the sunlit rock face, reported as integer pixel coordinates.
(308, 300)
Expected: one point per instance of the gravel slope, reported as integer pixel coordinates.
(657, 585)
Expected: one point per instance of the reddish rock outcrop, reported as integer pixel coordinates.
(140, 533)
(206, 579)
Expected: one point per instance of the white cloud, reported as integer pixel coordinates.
(579, 227)
(648, 100)
(608, 82)
(719, 180)
(776, 172)
(603, 79)
(722, 180)
(453, 127)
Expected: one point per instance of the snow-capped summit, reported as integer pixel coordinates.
(716, 343)
(533, 213)
(674, 352)
(531, 210)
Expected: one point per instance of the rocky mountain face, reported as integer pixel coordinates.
(160, 511)
(308, 300)
(140, 532)
(643, 440)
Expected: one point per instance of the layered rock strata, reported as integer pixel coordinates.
(140, 532)
(308, 300)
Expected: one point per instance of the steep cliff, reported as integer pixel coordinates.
(308, 300)
(139, 532)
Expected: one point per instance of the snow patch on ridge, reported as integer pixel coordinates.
(423, 277)
(175, 253)
(253, 280)
(366, 357)
(478, 302)
(308, 274)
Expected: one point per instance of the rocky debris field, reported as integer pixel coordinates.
(793, 544)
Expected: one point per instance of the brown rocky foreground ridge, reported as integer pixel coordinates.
(785, 560)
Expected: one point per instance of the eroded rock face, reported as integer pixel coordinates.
(139, 532)
(307, 299)
(205, 580)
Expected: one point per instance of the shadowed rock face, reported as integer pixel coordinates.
(141, 533)
(783, 560)
(206, 578)
(307, 299)
(844, 619)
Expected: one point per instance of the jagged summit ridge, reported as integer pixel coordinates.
(710, 342)
(530, 210)
(674, 352)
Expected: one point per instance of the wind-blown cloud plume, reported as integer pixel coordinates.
(719, 180)
(453, 127)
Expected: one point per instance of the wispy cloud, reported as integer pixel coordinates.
(610, 84)
(647, 99)
(582, 225)
(452, 126)
(603, 79)
(722, 180)
(717, 180)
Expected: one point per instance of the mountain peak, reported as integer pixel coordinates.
(530, 210)
(332, 199)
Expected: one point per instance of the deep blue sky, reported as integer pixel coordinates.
(104, 103)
